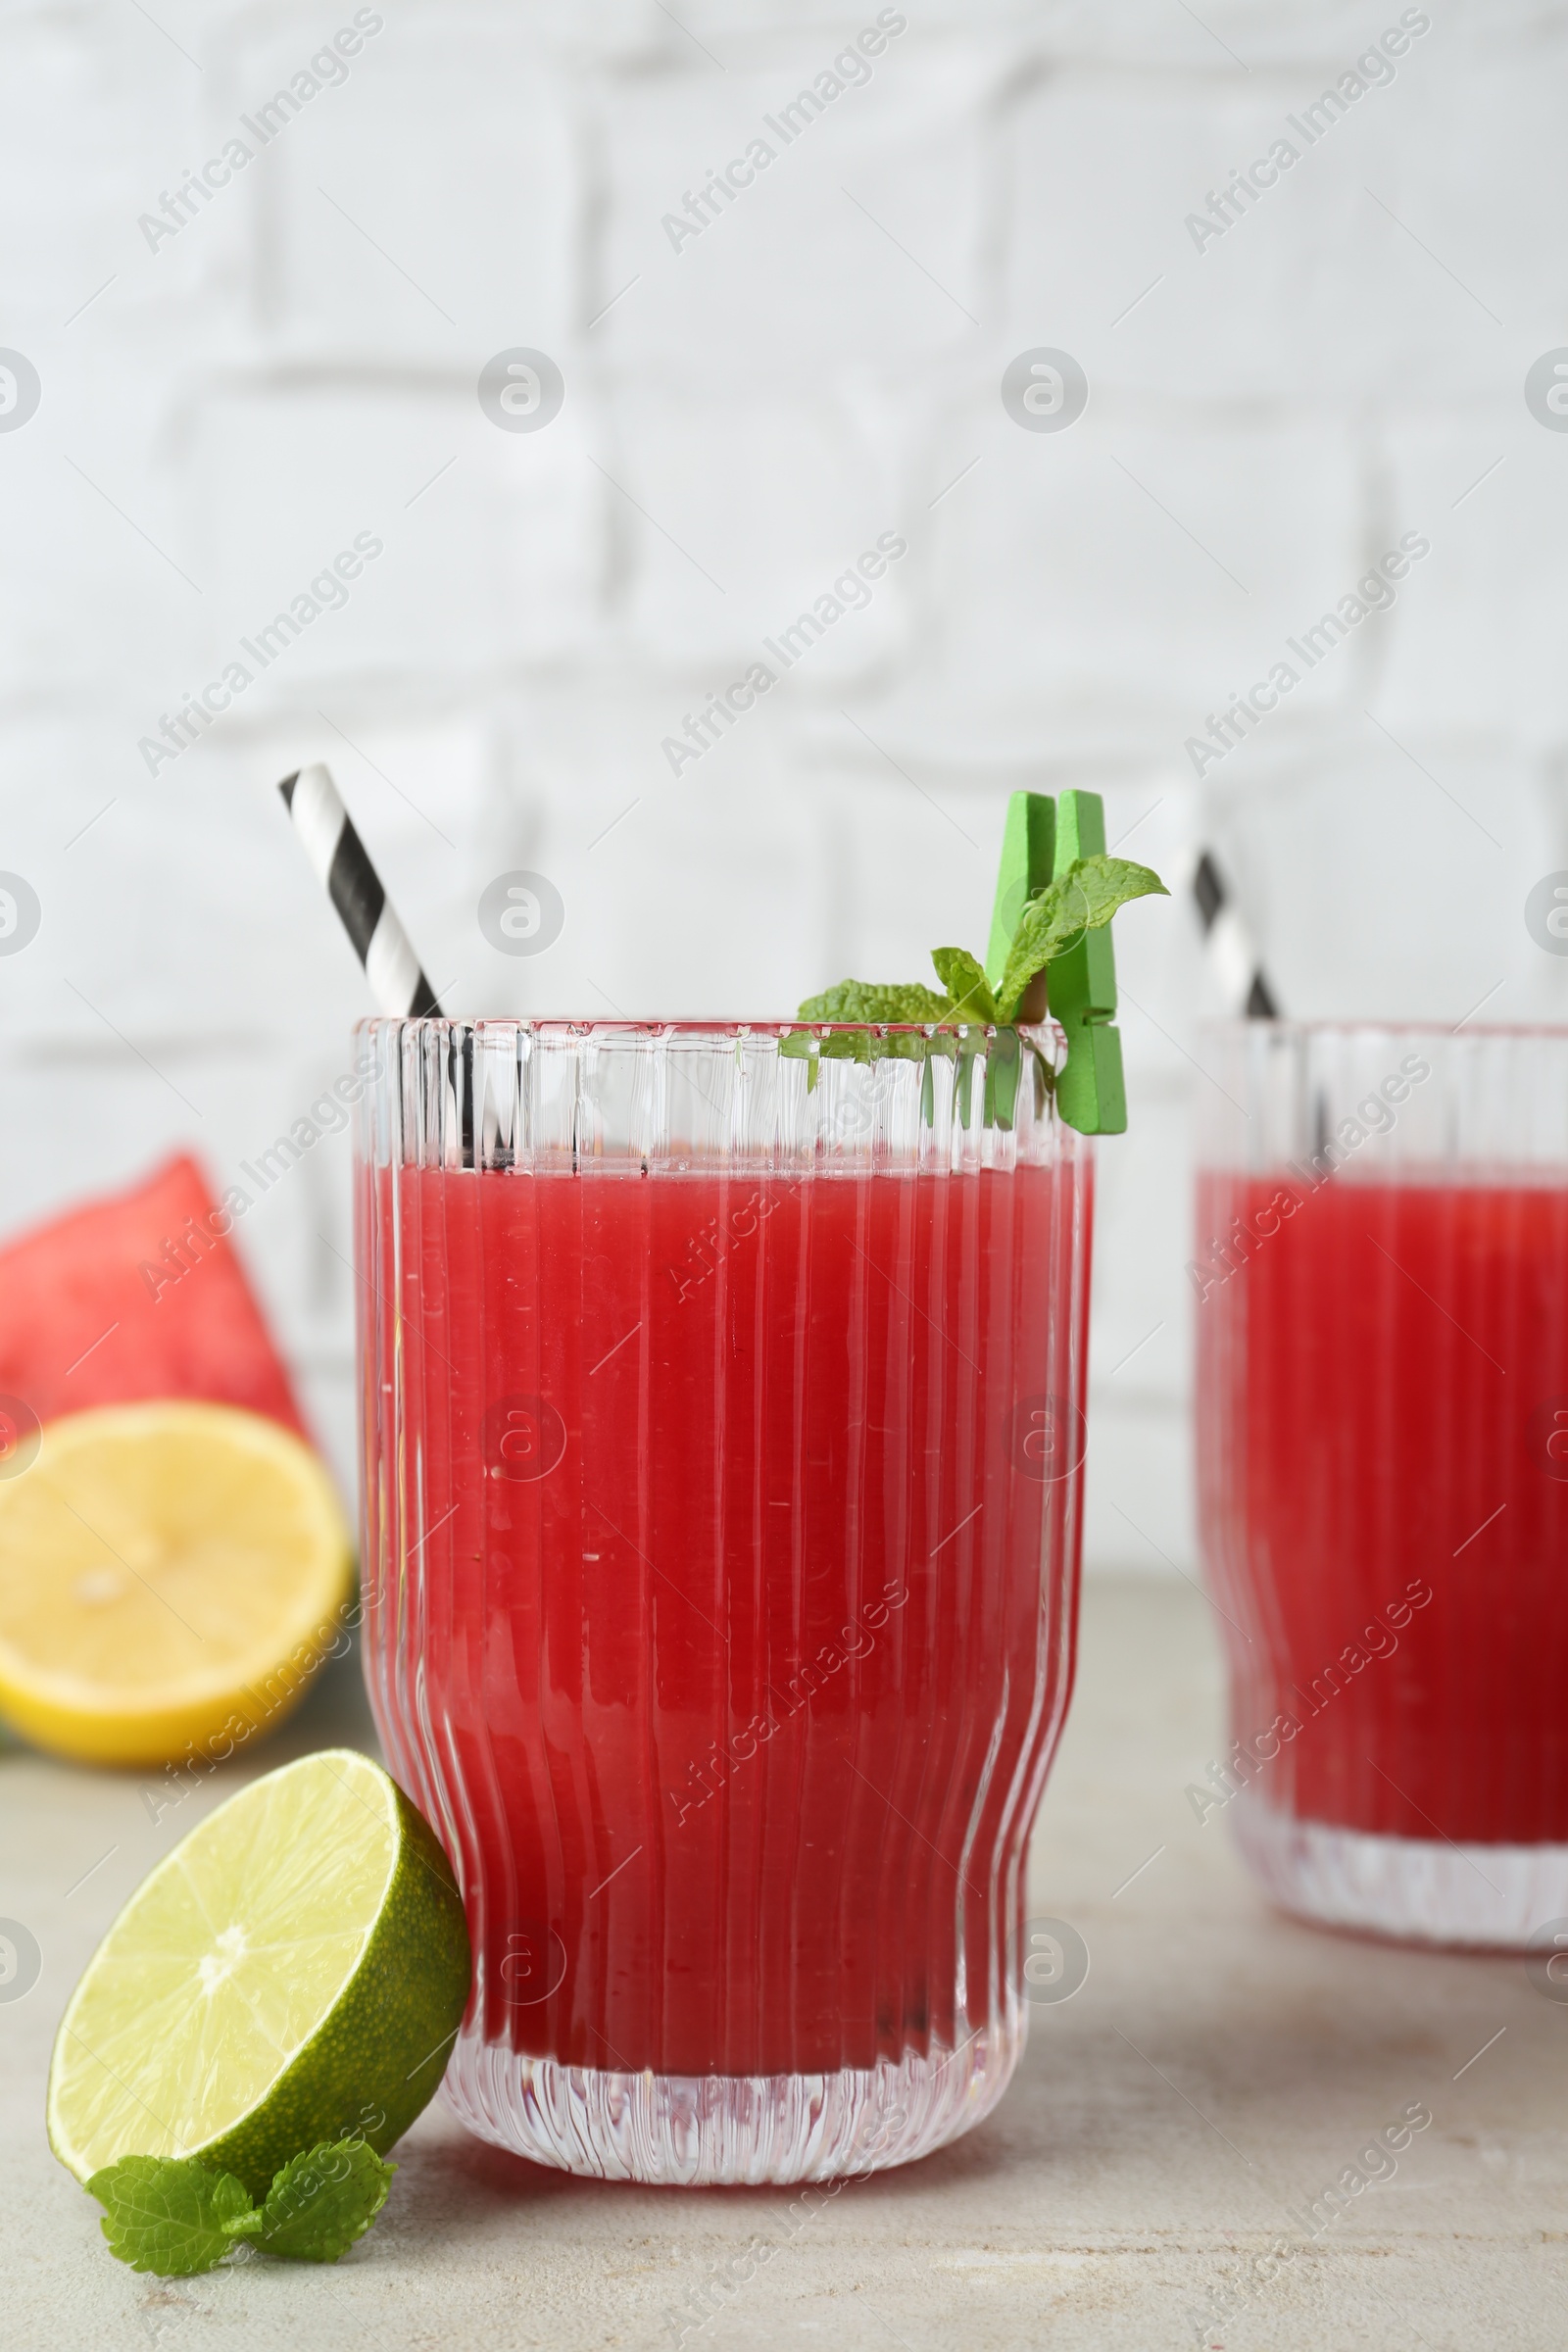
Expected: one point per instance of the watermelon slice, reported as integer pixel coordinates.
(136, 1295)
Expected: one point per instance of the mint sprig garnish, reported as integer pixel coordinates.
(177, 2216)
(1051, 923)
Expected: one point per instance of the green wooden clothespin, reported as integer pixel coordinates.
(1028, 861)
(1082, 984)
(1040, 840)
(1028, 847)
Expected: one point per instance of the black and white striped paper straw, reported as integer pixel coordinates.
(1228, 944)
(338, 856)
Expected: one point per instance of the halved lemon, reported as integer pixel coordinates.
(170, 1576)
(295, 1970)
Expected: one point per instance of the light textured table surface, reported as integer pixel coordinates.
(1220, 2068)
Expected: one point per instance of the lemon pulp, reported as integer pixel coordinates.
(169, 1573)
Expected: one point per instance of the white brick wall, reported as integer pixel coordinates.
(742, 416)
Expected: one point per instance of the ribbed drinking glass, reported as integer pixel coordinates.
(1382, 1310)
(721, 1432)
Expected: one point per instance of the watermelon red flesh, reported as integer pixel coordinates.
(80, 1324)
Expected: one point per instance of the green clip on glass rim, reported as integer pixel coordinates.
(1050, 950)
(1042, 840)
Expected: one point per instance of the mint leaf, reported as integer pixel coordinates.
(1083, 899)
(321, 2202)
(862, 1004)
(862, 1001)
(168, 2214)
(965, 983)
(1050, 925)
(1110, 882)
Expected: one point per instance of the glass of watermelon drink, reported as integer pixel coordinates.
(722, 1424)
(1382, 1279)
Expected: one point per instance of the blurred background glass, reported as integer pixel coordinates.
(1381, 1274)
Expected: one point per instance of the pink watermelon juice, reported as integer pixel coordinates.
(728, 1533)
(1383, 1390)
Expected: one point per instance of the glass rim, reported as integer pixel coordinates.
(560, 1024)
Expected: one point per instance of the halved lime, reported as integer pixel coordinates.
(295, 1970)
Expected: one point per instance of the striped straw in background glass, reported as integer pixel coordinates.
(1228, 945)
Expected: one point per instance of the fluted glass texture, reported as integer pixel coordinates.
(1381, 1279)
(722, 1430)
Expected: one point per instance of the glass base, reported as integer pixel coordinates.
(685, 2129)
(1415, 1890)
